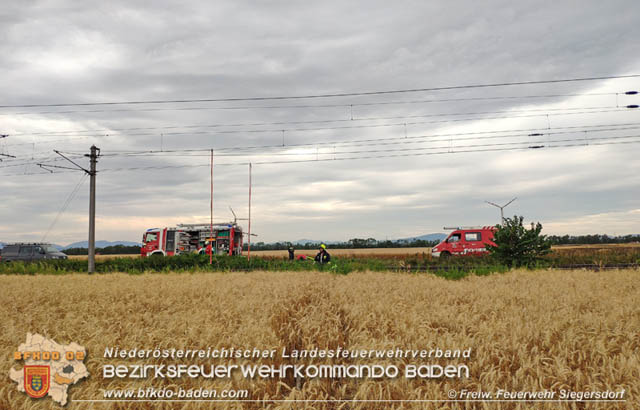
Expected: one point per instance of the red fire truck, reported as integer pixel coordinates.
(465, 240)
(193, 238)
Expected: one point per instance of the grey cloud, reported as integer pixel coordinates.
(108, 51)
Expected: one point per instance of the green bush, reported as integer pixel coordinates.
(517, 246)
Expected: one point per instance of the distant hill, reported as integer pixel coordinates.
(100, 244)
(423, 240)
(85, 244)
(312, 241)
(427, 237)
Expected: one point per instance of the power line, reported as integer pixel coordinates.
(398, 141)
(528, 143)
(395, 124)
(476, 135)
(314, 106)
(413, 154)
(546, 131)
(31, 161)
(434, 153)
(324, 121)
(376, 142)
(456, 150)
(329, 95)
(65, 205)
(35, 159)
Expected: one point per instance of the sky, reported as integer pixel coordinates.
(387, 165)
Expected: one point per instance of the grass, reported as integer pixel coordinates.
(454, 268)
(186, 263)
(528, 330)
(399, 252)
(343, 262)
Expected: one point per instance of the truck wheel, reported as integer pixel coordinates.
(156, 255)
(445, 255)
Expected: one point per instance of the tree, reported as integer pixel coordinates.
(517, 245)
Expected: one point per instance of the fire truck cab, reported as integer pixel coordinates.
(466, 240)
(193, 238)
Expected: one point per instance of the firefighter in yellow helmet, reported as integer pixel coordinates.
(323, 256)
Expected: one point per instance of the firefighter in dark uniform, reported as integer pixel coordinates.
(291, 252)
(323, 256)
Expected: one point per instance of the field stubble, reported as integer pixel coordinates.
(528, 330)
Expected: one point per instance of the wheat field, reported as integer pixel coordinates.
(527, 330)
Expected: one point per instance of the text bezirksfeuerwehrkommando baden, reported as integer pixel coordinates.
(306, 370)
(255, 353)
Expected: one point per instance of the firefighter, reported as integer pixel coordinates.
(208, 248)
(291, 252)
(323, 256)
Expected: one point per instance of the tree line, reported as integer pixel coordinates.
(107, 250)
(355, 243)
(359, 243)
(591, 239)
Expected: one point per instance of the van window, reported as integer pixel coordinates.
(472, 236)
(11, 249)
(25, 251)
(454, 238)
(37, 250)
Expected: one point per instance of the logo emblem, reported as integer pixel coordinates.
(36, 381)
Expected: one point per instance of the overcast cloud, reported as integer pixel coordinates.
(95, 51)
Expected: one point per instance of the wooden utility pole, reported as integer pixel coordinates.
(249, 236)
(211, 242)
(93, 157)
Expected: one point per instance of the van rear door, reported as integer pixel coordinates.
(10, 253)
(25, 253)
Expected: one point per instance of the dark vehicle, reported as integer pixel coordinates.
(30, 252)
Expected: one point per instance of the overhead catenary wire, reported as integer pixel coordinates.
(548, 141)
(348, 155)
(362, 126)
(378, 141)
(371, 142)
(554, 111)
(327, 95)
(404, 124)
(34, 160)
(114, 131)
(65, 205)
(316, 106)
(580, 143)
(457, 150)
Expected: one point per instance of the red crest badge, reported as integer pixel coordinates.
(36, 381)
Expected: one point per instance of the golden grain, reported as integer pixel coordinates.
(528, 330)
